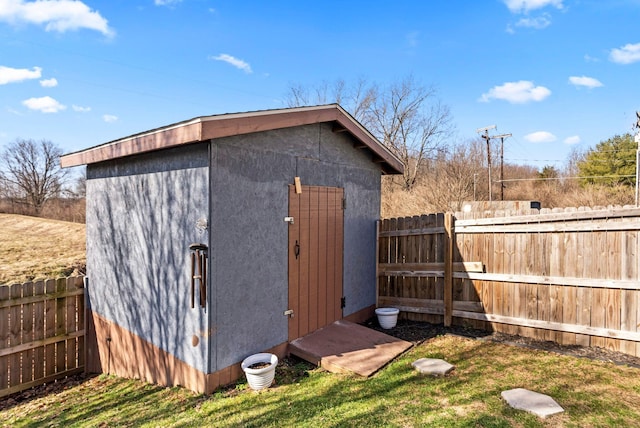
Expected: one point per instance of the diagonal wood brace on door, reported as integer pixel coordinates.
(199, 273)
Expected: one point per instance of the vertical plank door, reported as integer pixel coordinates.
(315, 258)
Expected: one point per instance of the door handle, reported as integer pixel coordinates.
(296, 250)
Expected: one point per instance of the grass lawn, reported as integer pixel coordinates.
(593, 393)
(36, 247)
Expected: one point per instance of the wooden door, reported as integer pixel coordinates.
(315, 258)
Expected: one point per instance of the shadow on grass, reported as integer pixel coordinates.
(31, 394)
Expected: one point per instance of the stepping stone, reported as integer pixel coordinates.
(533, 402)
(432, 366)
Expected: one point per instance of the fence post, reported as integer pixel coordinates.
(449, 231)
(378, 222)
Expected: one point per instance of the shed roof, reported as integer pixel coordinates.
(225, 125)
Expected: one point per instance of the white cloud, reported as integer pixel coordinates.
(80, 109)
(238, 63)
(49, 83)
(166, 2)
(540, 137)
(572, 140)
(538, 23)
(412, 38)
(525, 6)
(55, 15)
(519, 92)
(109, 118)
(627, 54)
(589, 58)
(588, 82)
(44, 105)
(14, 75)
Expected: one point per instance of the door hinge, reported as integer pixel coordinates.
(343, 302)
(344, 203)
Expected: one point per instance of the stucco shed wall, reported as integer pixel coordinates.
(141, 217)
(249, 255)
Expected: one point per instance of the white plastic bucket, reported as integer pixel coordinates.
(263, 377)
(387, 317)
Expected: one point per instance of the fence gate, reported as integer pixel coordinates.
(315, 258)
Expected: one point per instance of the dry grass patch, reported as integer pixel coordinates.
(33, 247)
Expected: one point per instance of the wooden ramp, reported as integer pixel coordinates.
(347, 347)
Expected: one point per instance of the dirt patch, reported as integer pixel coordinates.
(418, 332)
(42, 390)
(261, 365)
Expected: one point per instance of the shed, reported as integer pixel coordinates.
(221, 236)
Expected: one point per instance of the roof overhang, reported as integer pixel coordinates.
(226, 125)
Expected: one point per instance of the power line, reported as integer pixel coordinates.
(565, 178)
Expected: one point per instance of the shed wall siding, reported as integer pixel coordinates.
(141, 218)
(249, 200)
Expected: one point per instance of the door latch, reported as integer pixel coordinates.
(296, 250)
(288, 313)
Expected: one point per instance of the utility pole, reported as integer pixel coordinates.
(637, 140)
(502, 137)
(475, 182)
(488, 139)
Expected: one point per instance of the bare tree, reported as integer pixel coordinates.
(32, 171)
(407, 117)
(451, 178)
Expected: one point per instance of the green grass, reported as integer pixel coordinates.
(592, 393)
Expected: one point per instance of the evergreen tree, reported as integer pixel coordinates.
(611, 162)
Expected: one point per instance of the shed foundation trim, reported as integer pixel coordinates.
(115, 350)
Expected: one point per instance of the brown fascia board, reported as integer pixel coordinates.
(226, 125)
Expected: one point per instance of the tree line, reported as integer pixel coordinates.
(408, 117)
(442, 172)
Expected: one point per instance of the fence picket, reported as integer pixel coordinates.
(4, 338)
(27, 333)
(15, 335)
(38, 331)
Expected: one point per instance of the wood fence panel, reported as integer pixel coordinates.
(41, 332)
(570, 277)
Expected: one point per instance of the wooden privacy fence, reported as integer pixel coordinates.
(41, 332)
(569, 277)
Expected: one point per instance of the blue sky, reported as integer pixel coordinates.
(557, 74)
